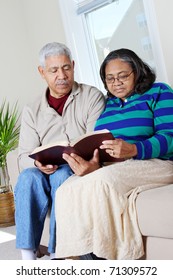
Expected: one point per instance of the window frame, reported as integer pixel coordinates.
(79, 41)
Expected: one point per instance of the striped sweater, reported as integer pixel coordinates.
(146, 120)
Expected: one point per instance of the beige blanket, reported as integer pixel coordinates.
(96, 213)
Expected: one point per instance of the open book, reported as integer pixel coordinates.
(84, 146)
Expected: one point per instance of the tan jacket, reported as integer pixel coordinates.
(42, 125)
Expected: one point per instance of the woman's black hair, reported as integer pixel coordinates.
(144, 75)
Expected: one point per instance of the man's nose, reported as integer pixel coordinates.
(61, 73)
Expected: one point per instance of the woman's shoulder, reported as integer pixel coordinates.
(161, 86)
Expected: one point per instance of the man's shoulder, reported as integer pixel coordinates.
(87, 86)
(34, 104)
(87, 89)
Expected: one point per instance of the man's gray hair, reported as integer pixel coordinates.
(53, 49)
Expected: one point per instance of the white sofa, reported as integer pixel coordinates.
(154, 209)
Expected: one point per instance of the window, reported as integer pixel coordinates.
(125, 26)
(95, 27)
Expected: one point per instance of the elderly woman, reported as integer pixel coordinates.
(95, 208)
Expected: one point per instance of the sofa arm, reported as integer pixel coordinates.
(12, 166)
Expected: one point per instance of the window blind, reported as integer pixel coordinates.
(84, 6)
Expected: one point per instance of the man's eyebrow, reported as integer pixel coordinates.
(59, 66)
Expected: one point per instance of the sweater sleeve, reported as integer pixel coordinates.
(160, 145)
(28, 140)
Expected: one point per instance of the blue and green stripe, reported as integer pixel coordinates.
(146, 120)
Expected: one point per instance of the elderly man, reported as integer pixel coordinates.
(66, 110)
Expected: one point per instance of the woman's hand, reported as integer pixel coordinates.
(80, 166)
(47, 169)
(119, 148)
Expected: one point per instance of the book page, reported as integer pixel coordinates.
(44, 147)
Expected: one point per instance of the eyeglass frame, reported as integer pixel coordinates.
(112, 79)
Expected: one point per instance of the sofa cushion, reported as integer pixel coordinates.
(154, 210)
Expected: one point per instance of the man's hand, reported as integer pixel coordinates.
(80, 166)
(47, 169)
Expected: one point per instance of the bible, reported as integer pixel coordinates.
(84, 146)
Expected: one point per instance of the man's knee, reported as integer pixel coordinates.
(29, 175)
(62, 174)
(65, 170)
(28, 171)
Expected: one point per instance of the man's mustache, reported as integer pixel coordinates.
(62, 82)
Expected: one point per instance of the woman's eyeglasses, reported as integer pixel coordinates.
(121, 78)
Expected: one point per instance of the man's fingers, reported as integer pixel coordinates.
(96, 156)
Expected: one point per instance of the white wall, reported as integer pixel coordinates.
(26, 25)
(163, 10)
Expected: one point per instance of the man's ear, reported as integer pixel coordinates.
(41, 71)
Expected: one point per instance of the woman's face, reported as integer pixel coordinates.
(120, 79)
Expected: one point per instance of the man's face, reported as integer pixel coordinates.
(59, 74)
